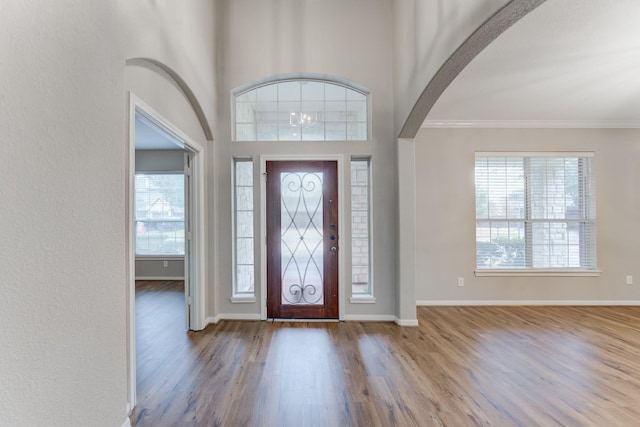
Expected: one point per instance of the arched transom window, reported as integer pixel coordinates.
(301, 110)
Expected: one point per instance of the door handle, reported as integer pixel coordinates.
(333, 248)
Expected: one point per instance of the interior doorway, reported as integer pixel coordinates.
(178, 225)
(302, 239)
(161, 207)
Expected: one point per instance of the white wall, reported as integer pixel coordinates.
(350, 40)
(62, 116)
(63, 169)
(446, 214)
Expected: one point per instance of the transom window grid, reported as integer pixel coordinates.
(301, 110)
(159, 214)
(360, 227)
(535, 212)
(244, 282)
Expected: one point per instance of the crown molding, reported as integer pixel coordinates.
(557, 124)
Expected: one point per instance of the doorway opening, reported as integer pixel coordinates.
(165, 217)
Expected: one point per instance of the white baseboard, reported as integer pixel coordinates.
(126, 423)
(369, 318)
(231, 316)
(526, 302)
(406, 322)
(159, 278)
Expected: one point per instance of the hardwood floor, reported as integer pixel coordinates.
(463, 366)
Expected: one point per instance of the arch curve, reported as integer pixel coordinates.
(191, 97)
(276, 78)
(482, 37)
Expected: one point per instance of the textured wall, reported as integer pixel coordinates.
(63, 136)
(62, 171)
(446, 214)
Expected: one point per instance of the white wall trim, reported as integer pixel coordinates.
(159, 277)
(406, 322)
(287, 320)
(126, 423)
(370, 318)
(233, 316)
(365, 299)
(528, 302)
(555, 124)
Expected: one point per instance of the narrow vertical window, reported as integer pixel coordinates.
(243, 228)
(360, 228)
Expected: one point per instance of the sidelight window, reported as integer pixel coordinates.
(360, 227)
(244, 283)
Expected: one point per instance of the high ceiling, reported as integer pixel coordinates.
(567, 63)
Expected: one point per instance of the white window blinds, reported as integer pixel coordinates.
(535, 211)
(159, 214)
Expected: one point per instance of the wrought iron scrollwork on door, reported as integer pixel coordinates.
(302, 294)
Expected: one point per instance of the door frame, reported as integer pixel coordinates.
(196, 267)
(342, 278)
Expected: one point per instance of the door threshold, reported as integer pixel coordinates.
(271, 319)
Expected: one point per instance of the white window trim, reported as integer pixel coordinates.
(531, 272)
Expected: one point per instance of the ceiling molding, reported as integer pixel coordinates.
(553, 124)
(482, 37)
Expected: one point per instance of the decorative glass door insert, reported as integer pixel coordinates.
(301, 250)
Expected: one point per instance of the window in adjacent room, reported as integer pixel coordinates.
(535, 211)
(244, 284)
(360, 227)
(159, 214)
(301, 110)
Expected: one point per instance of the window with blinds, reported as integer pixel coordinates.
(159, 214)
(535, 211)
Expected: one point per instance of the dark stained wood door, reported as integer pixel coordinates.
(302, 239)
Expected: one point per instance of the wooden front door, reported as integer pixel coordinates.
(302, 239)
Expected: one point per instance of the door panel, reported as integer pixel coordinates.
(302, 239)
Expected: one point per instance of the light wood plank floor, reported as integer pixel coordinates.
(463, 366)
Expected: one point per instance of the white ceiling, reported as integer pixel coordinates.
(151, 137)
(567, 63)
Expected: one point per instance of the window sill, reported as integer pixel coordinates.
(158, 257)
(364, 299)
(243, 299)
(537, 273)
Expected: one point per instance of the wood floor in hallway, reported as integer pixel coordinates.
(463, 366)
